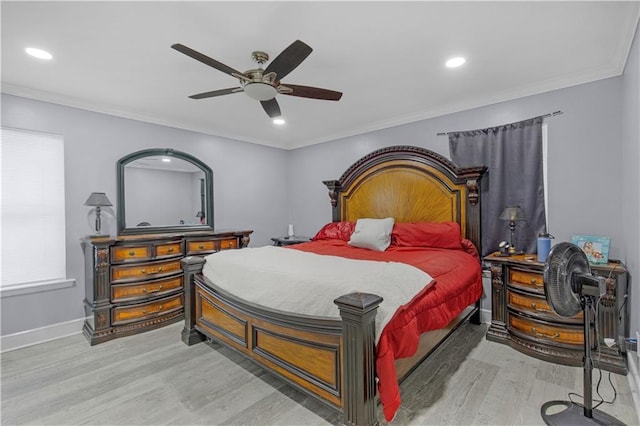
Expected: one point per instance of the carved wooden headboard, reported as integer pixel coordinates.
(410, 184)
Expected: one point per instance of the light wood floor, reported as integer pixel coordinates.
(154, 379)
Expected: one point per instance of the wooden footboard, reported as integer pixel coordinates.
(332, 360)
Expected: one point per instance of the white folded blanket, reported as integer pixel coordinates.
(308, 283)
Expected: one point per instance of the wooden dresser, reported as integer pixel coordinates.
(522, 318)
(134, 283)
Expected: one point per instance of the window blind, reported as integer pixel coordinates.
(32, 227)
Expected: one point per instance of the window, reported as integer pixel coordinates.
(32, 226)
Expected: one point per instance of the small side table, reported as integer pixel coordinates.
(288, 241)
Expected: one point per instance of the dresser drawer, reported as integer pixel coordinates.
(121, 254)
(201, 247)
(126, 314)
(125, 273)
(169, 249)
(537, 306)
(230, 243)
(145, 290)
(528, 280)
(549, 333)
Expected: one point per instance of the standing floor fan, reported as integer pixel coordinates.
(570, 287)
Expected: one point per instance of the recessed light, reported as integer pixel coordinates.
(166, 160)
(278, 121)
(455, 62)
(38, 53)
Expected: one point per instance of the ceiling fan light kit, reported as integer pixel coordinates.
(264, 84)
(260, 91)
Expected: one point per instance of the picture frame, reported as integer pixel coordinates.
(595, 247)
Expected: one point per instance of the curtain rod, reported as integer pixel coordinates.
(551, 114)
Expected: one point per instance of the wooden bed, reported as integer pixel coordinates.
(334, 360)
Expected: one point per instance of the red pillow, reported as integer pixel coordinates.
(444, 235)
(335, 231)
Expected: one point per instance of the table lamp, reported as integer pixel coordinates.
(513, 214)
(98, 200)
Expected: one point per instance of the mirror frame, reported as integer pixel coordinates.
(169, 152)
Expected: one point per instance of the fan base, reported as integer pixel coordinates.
(574, 415)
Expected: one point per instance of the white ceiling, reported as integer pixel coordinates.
(386, 57)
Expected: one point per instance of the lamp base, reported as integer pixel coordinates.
(99, 236)
(509, 254)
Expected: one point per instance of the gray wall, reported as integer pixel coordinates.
(585, 148)
(630, 158)
(249, 188)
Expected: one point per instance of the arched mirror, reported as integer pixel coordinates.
(163, 190)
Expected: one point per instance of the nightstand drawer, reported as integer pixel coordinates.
(120, 254)
(536, 306)
(541, 331)
(532, 281)
(122, 315)
(169, 249)
(141, 291)
(144, 270)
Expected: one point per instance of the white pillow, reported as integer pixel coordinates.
(372, 234)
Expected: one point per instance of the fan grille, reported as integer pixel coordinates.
(564, 262)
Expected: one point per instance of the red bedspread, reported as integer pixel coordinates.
(457, 283)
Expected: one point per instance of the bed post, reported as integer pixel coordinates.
(358, 312)
(191, 265)
(334, 189)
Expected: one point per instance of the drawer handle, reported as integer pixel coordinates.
(144, 271)
(533, 281)
(155, 290)
(536, 308)
(550, 336)
(132, 253)
(152, 312)
(170, 250)
(200, 246)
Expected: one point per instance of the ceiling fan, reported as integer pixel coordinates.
(264, 84)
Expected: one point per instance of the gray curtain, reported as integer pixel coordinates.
(513, 155)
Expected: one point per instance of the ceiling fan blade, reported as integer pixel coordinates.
(271, 107)
(289, 59)
(217, 93)
(312, 92)
(205, 59)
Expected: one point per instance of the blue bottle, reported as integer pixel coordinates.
(544, 245)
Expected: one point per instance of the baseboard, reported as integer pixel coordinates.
(26, 338)
(634, 379)
(485, 316)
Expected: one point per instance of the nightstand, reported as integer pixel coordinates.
(288, 241)
(522, 318)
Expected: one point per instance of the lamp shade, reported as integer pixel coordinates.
(512, 213)
(98, 199)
